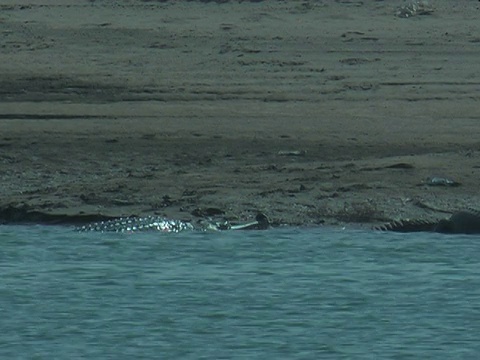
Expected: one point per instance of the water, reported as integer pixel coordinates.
(280, 294)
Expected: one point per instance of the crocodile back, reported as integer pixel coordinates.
(138, 224)
(461, 222)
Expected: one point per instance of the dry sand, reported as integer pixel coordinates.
(188, 108)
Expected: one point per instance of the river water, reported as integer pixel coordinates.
(280, 294)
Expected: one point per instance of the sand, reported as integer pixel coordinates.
(312, 112)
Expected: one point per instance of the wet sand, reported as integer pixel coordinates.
(311, 112)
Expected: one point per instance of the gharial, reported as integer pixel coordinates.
(461, 222)
(162, 224)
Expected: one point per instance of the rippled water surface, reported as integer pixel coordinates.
(280, 294)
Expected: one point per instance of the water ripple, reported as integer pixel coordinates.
(286, 293)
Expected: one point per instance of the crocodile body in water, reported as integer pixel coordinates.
(461, 222)
(158, 223)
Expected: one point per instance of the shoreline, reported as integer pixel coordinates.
(314, 114)
(54, 173)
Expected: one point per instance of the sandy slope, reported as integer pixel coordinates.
(136, 107)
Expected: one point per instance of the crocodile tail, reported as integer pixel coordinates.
(407, 226)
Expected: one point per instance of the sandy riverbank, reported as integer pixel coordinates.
(311, 112)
